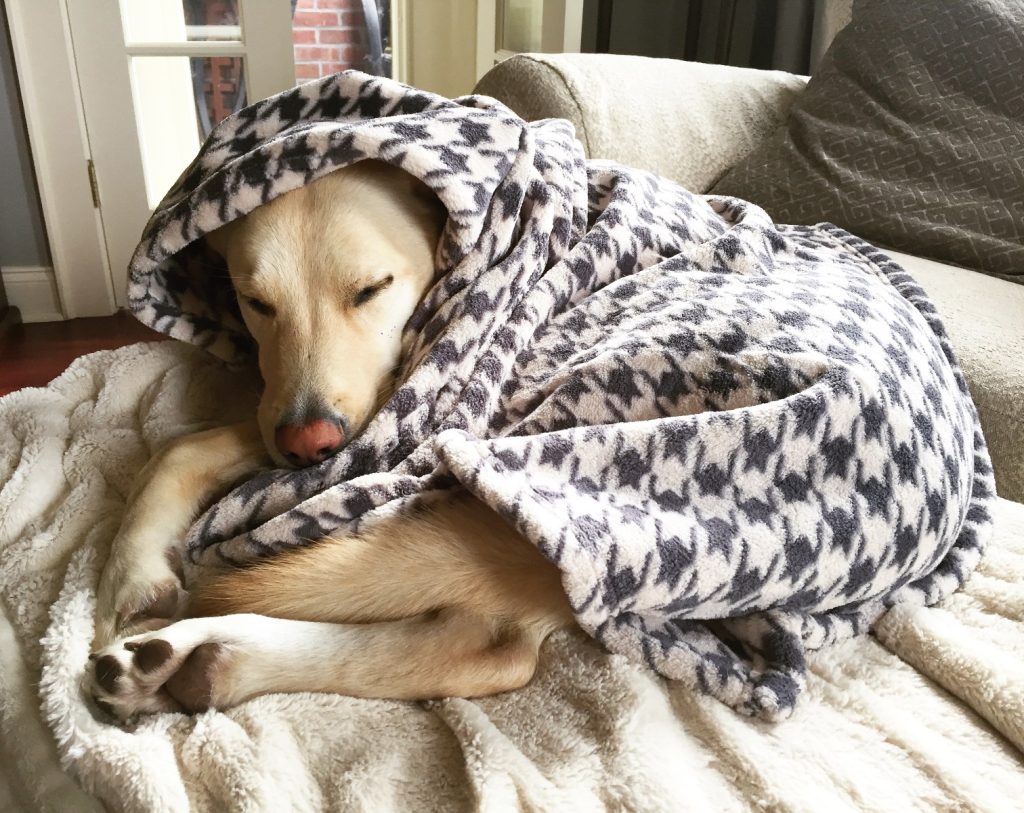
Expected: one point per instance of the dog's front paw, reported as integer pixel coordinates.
(139, 590)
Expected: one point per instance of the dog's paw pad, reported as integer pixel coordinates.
(141, 590)
(151, 655)
(156, 672)
(192, 684)
(107, 670)
(173, 558)
(163, 603)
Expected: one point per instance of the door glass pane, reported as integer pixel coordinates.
(522, 22)
(180, 20)
(178, 100)
(335, 35)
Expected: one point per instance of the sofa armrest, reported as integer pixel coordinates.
(685, 120)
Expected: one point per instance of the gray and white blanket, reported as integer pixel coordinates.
(738, 441)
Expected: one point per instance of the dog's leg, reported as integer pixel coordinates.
(141, 583)
(449, 601)
(456, 553)
(202, 663)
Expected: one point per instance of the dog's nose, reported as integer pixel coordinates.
(309, 443)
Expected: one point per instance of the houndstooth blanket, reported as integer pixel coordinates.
(738, 441)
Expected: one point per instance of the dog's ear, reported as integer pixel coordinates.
(424, 195)
(220, 239)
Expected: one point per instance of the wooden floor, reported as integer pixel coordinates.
(33, 355)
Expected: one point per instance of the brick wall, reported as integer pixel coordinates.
(329, 36)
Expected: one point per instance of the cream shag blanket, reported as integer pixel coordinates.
(926, 715)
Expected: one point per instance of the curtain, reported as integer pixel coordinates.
(787, 35)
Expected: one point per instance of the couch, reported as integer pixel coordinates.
(925, 714)
(691, 122)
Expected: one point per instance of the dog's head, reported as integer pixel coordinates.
(326, 278)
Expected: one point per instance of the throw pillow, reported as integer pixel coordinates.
(910, 134)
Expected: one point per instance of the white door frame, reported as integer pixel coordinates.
(48, 77)
(44, 59)
(561, 30)
(445, 46)
(108, 98)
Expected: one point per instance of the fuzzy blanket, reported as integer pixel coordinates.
(924, 715)
(738, 441)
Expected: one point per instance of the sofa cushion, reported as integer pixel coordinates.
(910, 134)
(683, 120)
(985, 320)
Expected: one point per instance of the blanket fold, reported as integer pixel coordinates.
(738, 441)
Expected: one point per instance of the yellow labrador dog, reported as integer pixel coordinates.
(450, 601)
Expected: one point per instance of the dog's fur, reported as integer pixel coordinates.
(448, 601)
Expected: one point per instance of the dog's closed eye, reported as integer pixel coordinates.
(370, 291)
(258, 305)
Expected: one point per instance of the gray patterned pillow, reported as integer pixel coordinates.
(911, 134)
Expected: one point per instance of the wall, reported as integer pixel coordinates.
(439, 38)
(22, 234)
(328, 37)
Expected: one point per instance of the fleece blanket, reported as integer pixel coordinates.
(738, 441)
(925, 715)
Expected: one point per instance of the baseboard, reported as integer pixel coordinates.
(32, 289)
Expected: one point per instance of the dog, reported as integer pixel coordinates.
(447, 601)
